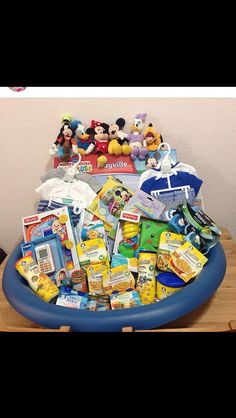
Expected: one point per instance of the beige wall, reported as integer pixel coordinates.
(202, 130)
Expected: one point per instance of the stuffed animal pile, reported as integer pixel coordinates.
(103, 139)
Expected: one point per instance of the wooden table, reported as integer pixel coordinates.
(217, 314)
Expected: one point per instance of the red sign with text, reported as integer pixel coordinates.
(115, 164)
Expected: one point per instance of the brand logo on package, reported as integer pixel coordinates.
(85, 167)
(31, 220)
(129, 216)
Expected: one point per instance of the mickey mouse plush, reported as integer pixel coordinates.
(153, 161)
(119, 143)
(99, 141)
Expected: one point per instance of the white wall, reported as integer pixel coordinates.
(202, 130)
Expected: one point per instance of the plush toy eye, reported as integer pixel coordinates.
(152, 235)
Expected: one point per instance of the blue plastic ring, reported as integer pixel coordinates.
(22, 298)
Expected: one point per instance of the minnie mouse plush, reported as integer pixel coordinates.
(99, 141)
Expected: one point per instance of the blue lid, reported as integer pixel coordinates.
(170, 279)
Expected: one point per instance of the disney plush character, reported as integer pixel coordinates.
(66, 120)
(153, 161)
(118, 140)
(82, 139)
(65, 144)
(152, 139)
(99, 141)
(136, 138)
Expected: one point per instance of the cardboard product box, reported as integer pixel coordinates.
(132, 261)
(58, 222)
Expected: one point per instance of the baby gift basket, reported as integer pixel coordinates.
(120, 237)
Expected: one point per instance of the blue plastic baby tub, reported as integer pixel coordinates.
(21, 297)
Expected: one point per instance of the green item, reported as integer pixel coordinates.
(150, 234)
(126, 250)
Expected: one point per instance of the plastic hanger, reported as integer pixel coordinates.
(166, 161)
(72, 171)
(69, 177)
(167, 172)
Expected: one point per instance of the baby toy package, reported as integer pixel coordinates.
(110, 202)
(57, 222)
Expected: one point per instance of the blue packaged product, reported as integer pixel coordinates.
(118, 260)
(72, 300)
(168, 284)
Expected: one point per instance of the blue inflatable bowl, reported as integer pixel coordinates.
(22, 298)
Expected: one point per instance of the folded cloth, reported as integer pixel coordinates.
(60, 191)
(45, 205)
(179, 179)
(60, 173)
(179, 166)
(173, 199)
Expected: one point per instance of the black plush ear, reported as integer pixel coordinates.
(147, 158)
(161, 139)
(121, 123)
(105, 126)
(90, 131)
(150, 125)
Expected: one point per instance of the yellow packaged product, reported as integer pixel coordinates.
(118, 279)
(187, 261)
(125, 300)
(93, 251)
(110, 202)
(39, 282)
(168, 243)
(146, 282)
(95, 276)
